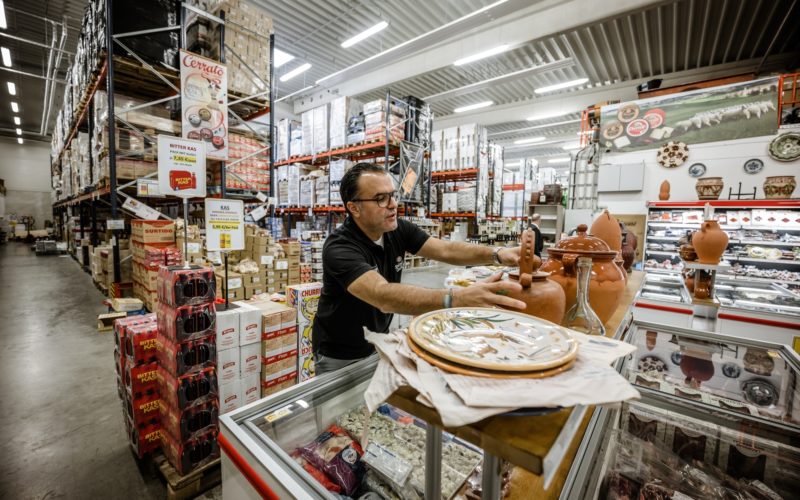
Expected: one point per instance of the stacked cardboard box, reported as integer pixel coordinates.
(322, 191)
(308, 191)
(291, 248)
(260, 247)
(316, 260)
(304, 299)
(341, 109)
(468, 137)
(450, 159)
(250, 173)
(278, 347)
(152, 246)
(136, 367)
(436, 151)
(288, 131)
(376, 121)
(336, 171)
(187, 379)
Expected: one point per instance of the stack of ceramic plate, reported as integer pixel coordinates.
(492, 343)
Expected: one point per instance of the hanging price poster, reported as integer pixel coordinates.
(204, 103)
(224, 225)
(181, 167)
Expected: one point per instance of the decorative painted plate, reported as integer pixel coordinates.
(493, 339)
(673, 154)
(785, 147)
(753, 166)
(697, 170)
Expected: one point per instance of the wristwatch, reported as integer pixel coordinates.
(496, 256)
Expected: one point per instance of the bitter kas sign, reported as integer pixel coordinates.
(181, 167)
(204, 103)
(224, 225)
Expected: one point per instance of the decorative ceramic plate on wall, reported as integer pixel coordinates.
(493, 339)
(753, 166)
(697, 170)
(785, 147)
(673, 154)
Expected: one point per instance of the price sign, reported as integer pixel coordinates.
(181, 167)
(224, 225)
(112, 224)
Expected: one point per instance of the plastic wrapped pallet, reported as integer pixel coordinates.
(322, 189)
(336, 172)
(468, 136)
(307, 191)
(296, 142)
(450, 149)
(341, 109)
(436, 151)
(282, 183)
(320, 129)
(295, 172)
(308, 133)
(465, 200)
(283, 138)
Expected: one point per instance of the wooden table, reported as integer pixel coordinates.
(542, 447)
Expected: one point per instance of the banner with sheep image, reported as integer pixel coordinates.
(734, 111)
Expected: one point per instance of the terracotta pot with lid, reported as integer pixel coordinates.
(544, 298)
(607, 283)
(607, 228)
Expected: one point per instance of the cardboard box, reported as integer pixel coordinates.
(281, 265)
(228, 365)
(152, 231)
(291, 248)
(234, 294)
(304, 298)
(234, 280)
(278, 383)
(278, 361)
(250, 359)
(249, 324)
(251, 388)
(230, 396)
(227, 327)
(250, 291)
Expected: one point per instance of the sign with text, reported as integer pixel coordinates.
(181, 167)
(224, 225)
(141, 210)
(147, 187)
(204, 103)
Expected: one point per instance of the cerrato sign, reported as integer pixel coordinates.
(204, 103)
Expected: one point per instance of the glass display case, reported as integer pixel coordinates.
(757, 296)
(663, 299)
(719, 418)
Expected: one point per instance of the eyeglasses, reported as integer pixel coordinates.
(382, 199)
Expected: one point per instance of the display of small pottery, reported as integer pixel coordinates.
(785, 147)
(697, 170)
(760, 392)
(779, 187)
(493, 339)
(709, 188)
(753, 166)
(651, 365)
(673, 154)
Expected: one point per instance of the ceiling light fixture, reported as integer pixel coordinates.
(15, 107)
(530, 140)
(365, 34)
(546, 116)
(295, 93)
(3, 24)
(484, 104)
(19, 131)
(293, 73)
(6, 56)
(559, 160)
(12, 88)
(19, 140)
(559, 86)
(482, 55)
(17, 120)
(282, 58)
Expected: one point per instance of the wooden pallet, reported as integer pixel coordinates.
(189, 486)
(105, 322)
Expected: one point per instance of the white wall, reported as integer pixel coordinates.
(25, 168)
(722, 159)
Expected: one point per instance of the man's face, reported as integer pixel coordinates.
(370, 217)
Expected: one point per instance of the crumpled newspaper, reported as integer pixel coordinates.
(462, 400)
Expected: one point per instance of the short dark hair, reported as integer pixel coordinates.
(349, 185)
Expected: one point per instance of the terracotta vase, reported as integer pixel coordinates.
(544, 298)
(702, 289)
(607, 283)
(663, 192)
(689, 282)
(687, 253)
(606, 227)
(709, 188)
(779, 187)
(629, 244)
(709, 242)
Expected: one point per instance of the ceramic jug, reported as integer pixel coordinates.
(663, 192)
(709, 242)
(544, 297)
(607, 228)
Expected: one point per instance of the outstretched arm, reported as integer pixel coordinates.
(459, 253)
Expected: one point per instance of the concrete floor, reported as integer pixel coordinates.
(62, 430)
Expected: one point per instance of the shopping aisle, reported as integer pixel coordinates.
(62, 429)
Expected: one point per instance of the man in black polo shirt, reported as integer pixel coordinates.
(363, 262)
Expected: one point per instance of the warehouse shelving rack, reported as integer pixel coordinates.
(147, 76)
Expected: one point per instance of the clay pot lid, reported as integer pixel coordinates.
(536, 276)
(583, 244)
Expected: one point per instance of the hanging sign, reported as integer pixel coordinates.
(148, 188)
(258, 213)
(224, 225)
(204, 103)
(181, 167)
(141, 210)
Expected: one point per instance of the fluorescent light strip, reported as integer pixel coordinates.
(365, 34)
(295, 93)
(482, 55)
(15, 107)
(409, 42)
(293, 73)
(558, 160)
(17, 120)
(6, 56)
(484, 104)
(282, 58)
(12, 88)
(530, 140)
(19, 131)
(559, 86)
(3, 24)
(546, 116)
(19, 140)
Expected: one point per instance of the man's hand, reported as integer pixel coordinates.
(489, 293)
(509, 256)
